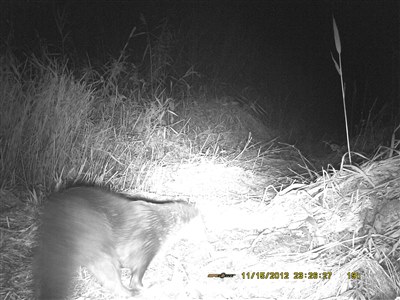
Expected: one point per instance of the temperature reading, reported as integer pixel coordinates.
(353, 275)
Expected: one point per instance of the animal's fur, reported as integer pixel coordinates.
(103, 231)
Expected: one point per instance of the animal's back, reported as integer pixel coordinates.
(74, 231)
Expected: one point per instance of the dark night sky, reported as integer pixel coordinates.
(280, 47)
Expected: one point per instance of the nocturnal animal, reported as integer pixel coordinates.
(103, 231)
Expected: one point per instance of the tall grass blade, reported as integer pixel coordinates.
(336, 36)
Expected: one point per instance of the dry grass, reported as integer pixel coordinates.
(264, 206)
